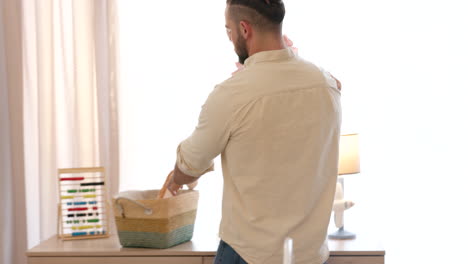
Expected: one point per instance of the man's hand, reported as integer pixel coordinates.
(178, 179)
(173, 187)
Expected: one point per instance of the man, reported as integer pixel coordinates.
(276, 124)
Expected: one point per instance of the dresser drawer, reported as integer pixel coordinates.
(356, 260)
(115, 260)
(334, 260)
(208, 260)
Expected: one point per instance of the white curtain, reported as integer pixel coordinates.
(12, 181)
(62, 109)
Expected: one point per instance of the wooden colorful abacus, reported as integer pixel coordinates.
(83, 210)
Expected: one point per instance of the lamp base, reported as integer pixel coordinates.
(342, 234)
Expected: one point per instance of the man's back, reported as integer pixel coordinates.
(280, 159)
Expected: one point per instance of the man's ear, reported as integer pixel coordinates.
(245, 29)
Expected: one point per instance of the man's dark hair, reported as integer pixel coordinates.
(265, 15)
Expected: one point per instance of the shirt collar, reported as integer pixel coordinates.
(271, 55)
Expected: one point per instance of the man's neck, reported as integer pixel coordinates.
(267, 42)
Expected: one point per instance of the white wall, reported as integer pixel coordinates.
(403, 67)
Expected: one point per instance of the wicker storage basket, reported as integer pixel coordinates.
(144, 221)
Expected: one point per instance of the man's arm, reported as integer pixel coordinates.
(195, 154)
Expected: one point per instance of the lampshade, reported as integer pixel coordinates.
(349, 154)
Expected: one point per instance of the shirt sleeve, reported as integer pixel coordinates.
(195, 154)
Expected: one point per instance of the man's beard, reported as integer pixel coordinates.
(241, 50)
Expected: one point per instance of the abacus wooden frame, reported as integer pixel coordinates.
(105, 213)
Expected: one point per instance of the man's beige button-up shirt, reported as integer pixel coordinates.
(276, 125)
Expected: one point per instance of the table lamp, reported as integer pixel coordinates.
(348, 163)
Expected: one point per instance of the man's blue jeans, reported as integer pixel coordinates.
(227, 255)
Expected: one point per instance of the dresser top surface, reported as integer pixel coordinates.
(205, 245)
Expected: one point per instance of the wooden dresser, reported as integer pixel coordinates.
(201, 250)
